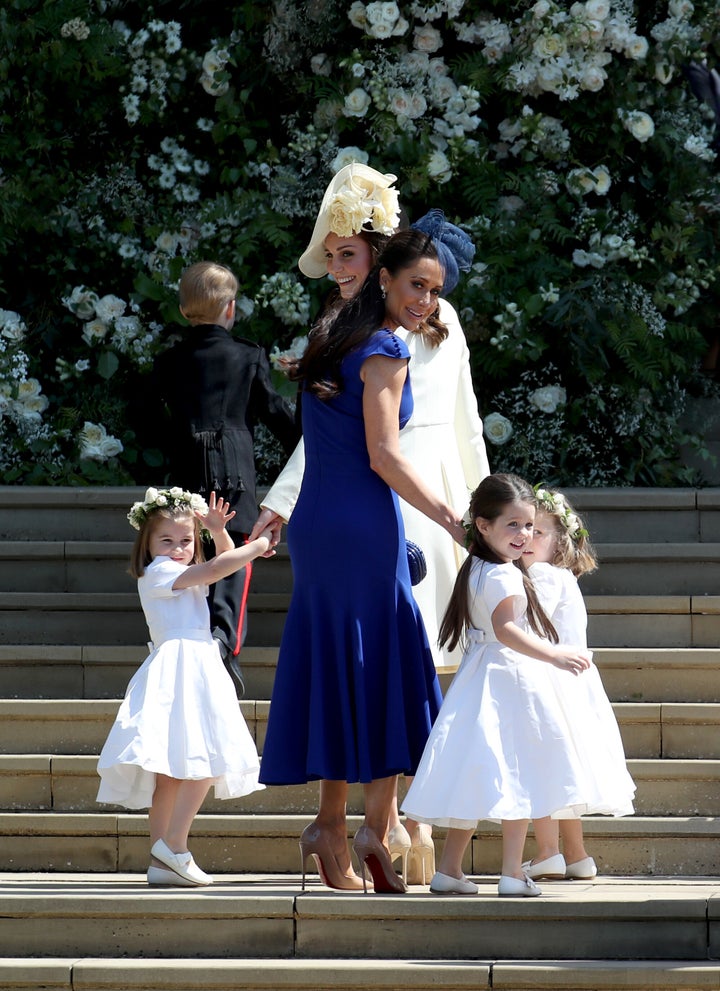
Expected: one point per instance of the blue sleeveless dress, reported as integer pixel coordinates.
(355, 691)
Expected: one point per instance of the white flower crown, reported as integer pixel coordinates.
(164, 499)
(554, 504)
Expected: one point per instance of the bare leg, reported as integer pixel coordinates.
(379, 795)
(547, 838)
(456, 843)
(332, 820)
(175, 805)
(514, 833)
(571, 831)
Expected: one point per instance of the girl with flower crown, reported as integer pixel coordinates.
(560, 553)
(179, 729)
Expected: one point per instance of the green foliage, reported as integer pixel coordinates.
(136, 138)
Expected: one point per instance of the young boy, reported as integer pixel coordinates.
(216, 388)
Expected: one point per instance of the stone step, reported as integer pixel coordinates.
(613, 514)
(69, 783)
(116, 618)
(218, 974)
(97, 671)
(108, 841)
(80, 726)
(270, 918)
(102, 566)
(112, 617)
(654, 569)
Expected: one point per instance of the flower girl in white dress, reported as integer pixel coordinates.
(501, 747)
(560, 553)
(179, 728)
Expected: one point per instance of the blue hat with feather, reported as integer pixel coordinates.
(454, 247)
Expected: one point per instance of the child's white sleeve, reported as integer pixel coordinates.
(159, 578)
(504, 581)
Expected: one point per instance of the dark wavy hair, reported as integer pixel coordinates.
(337, 333)
(488, 501)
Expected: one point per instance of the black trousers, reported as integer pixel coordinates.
(228, 604)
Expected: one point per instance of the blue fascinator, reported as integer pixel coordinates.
(454, 247)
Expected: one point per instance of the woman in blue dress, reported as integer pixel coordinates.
(355, 691)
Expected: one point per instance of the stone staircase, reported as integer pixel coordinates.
(75, 912)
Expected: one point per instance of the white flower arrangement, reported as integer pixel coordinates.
(165, 499)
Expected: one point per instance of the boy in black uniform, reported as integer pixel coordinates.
(216, 389)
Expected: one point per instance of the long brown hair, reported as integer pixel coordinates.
(337, 333)
(488, 501)
(140, 556)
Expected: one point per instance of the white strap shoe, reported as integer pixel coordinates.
(181, 863)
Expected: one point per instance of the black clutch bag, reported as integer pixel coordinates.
(416, 562)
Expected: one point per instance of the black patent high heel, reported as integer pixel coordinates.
(369, 850)
(315, 843)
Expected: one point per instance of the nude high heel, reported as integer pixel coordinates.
(421, 858)
(369, 850)
(315, 843)
(398, 842)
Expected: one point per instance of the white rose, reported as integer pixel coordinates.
(357, 15)
(439, 167)
(549, 46)
(636, 47)
(680, 8)
(548, 398)
(176, 491)
(151, 494)
(427, 39)
(389, 12)
(602, 180)
(540, 9)
(109, 307)
(497, 428)
(592, 78)
(81, 302)
(580, 181)
(598, 10)
(94, 330)
(213, 62)
(13, 327)
(346, 156)
(640, 125)
(320, 65)
(356, 103)
(380, 30)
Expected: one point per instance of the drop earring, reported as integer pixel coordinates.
(382, 290)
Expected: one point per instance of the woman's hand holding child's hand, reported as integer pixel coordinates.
(218, 515)
(569, 658)
(272, 535)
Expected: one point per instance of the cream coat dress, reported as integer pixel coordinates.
(444, 443)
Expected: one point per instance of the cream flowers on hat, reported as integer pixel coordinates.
(358, 198)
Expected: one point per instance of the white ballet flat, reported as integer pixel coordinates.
(581, 870)
(552, 868)
(445, 884)
(181, 863)
(513, 887)
(164, 877)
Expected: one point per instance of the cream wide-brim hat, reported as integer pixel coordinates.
(358, 198)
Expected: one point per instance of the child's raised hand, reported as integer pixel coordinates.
(218, 515)
(571, 659)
